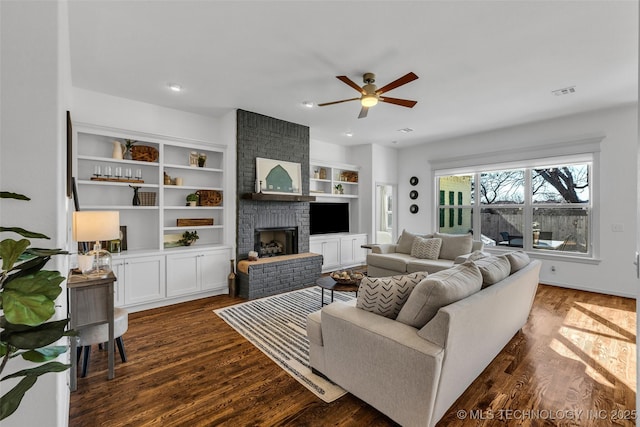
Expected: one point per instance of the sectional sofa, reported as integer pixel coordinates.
(413, 360)
(420, 252)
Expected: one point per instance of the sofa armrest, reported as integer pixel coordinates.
(382, 361)
(477, 245)
(384, 248)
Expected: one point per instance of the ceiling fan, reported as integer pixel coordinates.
(371, 95)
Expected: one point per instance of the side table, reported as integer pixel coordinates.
(90, 303)
(327, 282)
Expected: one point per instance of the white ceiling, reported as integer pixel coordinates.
(482, 64)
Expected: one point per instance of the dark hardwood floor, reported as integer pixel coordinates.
(188, 367)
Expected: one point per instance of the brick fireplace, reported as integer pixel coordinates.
(267, 137)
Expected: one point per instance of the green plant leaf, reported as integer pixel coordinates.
(45, 251)
(31, 310)
(45, 354)
(25, 233)
(31, 266)
(34, 337)
(43, 282)
(11, 399)
(10, 251)
(38, 370)
(9, 195)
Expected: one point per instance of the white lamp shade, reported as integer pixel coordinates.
(92, 226)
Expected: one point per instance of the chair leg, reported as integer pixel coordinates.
(123, 354)
(85, 362)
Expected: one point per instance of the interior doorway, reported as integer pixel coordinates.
(385, 222)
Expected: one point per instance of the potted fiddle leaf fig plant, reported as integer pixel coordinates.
(27, 301)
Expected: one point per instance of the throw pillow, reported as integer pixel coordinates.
(493, 269)
(454, 245)
(386, 295)
(437, 290)
(426, 248)
(405, 242)
(518, 260)
(476, 255)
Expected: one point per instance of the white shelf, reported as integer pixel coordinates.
(191, 208)
(190, 187)
(116, 184)
(191, 168)
(118, 208)
(193, 227)
(111, 160)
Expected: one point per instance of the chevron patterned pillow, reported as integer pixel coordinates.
(385, 296)
(426, 248)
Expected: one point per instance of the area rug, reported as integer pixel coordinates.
(277, 326)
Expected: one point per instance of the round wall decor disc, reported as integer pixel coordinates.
(413, 195)
(413, 209)
(413, 180)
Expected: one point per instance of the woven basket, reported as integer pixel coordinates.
(147, 198)
(209, 197)
(144, 153)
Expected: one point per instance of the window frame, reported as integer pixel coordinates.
(591, 158)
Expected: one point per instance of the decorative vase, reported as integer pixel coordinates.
(136, 197)
(232, 280)
(117, 150)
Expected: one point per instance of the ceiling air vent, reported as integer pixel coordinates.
(564, 91)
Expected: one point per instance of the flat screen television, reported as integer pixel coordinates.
(329, 218)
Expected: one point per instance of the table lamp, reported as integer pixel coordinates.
(94, 226)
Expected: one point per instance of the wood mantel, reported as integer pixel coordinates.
(278, 197)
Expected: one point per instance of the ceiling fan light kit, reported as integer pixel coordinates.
(370, 94)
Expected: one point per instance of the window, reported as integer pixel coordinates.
(545, 207)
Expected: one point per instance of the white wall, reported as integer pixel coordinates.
(34, 82)
(614, 274)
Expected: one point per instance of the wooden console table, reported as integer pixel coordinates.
(90, 303)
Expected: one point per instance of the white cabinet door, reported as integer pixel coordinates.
(346, 250)
(213, 269)
(329, 248)
(144, 279)
(359, 253)
(182, 274)
(118, 286)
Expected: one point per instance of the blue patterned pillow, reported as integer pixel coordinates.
(385, 296)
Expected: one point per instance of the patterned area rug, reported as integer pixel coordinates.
(277, 326)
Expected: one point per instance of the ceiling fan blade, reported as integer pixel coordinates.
(351, 83)
(403, 102)
(409, 77)
(337, 102)
(363, 112)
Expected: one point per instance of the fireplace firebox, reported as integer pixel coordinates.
(269, 242)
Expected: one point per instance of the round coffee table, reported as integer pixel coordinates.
(327, 282)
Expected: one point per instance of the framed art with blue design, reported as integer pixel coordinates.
(278, 176)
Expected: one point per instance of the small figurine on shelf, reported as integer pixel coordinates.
(136, 197)
(339, 189)
(192, 199)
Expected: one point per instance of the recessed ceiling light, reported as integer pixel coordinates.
(349, 134)
(405, 130)
(307, 104)
(175, 87)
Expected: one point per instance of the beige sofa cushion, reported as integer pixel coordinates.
(426, 248)
(428, 265)
(454, 245)
(437, 290)
(385, 296)
(518, 260)
(394, 261)
(493, 269)
(405, 241)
